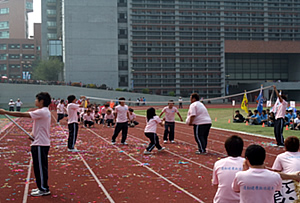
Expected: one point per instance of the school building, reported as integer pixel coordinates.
(211, 47)
(17, 51)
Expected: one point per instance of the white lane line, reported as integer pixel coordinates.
(97, 180)
(150, 169)
(7, 132)
(92, 172)
(182, 157)
(25, 196)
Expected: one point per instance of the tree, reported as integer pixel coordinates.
(171, 93)
(49, 70)
(145, 91)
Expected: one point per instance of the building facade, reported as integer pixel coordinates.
(17, 52)
(181, 46)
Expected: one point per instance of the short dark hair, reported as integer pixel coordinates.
(62, 101)
(171, 101)
(237, 111)
(45, 96)
(256, 154)
(234, 146)
(291, 144)
(264, 111)
(71, 98)
(122, 98)
(106, 105)
(131, 110)
(284, 97)
(255, 111)
(195, 96)
(150, 113)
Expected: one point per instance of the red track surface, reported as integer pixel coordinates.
(175, 175)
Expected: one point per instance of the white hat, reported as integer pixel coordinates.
(11, 100)
(18, 98)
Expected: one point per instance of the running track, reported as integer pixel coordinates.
(102, 172)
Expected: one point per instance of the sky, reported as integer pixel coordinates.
(35, 16)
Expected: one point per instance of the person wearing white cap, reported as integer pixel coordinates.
(18, 104)
(11, 105)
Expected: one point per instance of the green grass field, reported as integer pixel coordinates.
(223, 115)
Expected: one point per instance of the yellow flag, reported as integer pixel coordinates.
(244, 104)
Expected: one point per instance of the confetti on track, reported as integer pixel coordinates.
(124, 179)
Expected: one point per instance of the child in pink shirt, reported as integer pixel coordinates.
(225, 169)
(41, 144)
(88, 119)
(121, 117)
(109, 118)
(132, 122)
(169, 112)
(150, 131)
(257, 184)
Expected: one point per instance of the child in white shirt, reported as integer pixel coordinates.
(88, 119)
(132, 122)
(109, 118)
(150, 131)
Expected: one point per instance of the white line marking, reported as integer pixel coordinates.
(91, 171)
(150, 169)
(25, 196)
(7, 132)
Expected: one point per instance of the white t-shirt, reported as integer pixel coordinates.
(11, 104)
(287, 162)
(151, 125)
(256, 185)
(19, 103)
(198, 110)
(170, 113)
(41, 126)
(132, 116)
(110, 116)
(72, 110)
(60, 108)
(121, 112)
(104, 109)
(223, 175)
(87, 117)
(297, 120)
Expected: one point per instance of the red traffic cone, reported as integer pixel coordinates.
(286, 127)
(263, 125)
(228, 120)
(247, 123)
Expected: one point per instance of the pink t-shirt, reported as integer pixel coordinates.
(121, 112)
(104, 109)
(60, 108)
(72, 110)
(198, 110)
(152, 125)
(256, 185)
(110, 116)
(132, 116)
(87, 117)
(41, 126)
(170, 113)
(223, 175)
(281, 110)
(287, 162)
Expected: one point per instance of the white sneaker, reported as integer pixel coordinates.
(39, 193)
(172, 141)
(162, 149)
(35, 190)
(124, 143)
(165, 141)
(113, 143)
(73, 150)
(147, 152)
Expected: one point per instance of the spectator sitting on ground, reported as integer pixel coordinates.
(255, 119)
(249, 115)
(238, 118)
(296, 123)
(271, 119)
(264, 117)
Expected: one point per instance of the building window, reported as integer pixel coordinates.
(3, 47)
(28, 56)
(122, 33)
(51, 36)
(122, 17)
(123, 80)
(3, 67)
(28, 46)
(123, 65)
(14, 66)
(4, 25)
(4, 35)
(3, 57)
(4, 10)
(51, 23)
(14, 56)
(122, 49)
(14, 46)
(51, 12)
